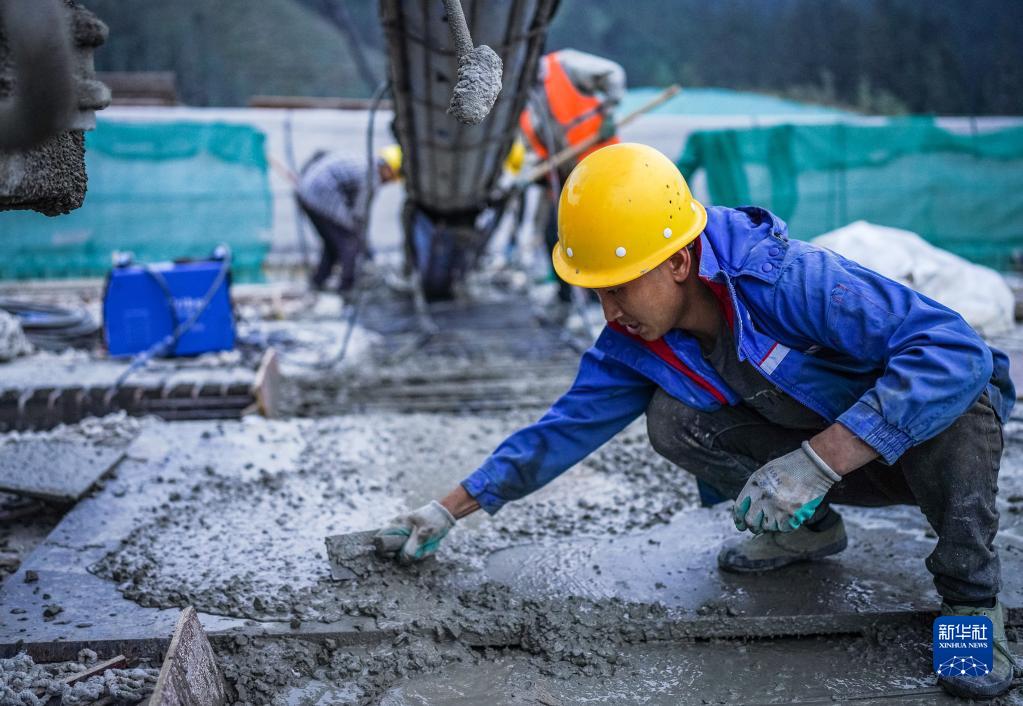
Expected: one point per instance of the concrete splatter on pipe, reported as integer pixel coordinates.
(479, 71)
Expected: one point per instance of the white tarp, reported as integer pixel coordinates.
(978, 293)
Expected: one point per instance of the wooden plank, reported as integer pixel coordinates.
(118, 662)
(189, 675)
(266, 386)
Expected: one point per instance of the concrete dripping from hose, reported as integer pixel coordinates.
(479, 82)
(479, 71)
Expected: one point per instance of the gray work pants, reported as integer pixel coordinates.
(340, 246)
(952, 477)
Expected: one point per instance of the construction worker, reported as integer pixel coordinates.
(333, 190)
(574, 99)
(783, 376)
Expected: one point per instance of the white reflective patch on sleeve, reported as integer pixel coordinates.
(774, 358)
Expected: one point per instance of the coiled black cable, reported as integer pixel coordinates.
(53, 328)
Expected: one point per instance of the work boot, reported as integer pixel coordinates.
(999, 679)
(773, 550)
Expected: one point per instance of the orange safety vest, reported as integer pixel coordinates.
(578, 115)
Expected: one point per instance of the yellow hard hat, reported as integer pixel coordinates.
(624, 210)
(392, 157)
(516, 157)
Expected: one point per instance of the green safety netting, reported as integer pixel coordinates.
(160, 190)
(961, 192)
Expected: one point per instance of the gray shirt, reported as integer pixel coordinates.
(334, 187)
(756, 390)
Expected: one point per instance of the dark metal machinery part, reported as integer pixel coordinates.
(43, 408)
(44, 99)
(450, 168)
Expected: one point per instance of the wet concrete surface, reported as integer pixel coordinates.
(24, 524)
(149, 477)
(886, 666)
(592, 589)
(814, 670)
(230, 517)
(881, 572)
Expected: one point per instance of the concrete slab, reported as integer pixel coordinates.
(85, 609)
(881, 574)
(784, 671)
(58, 470)
(231, 517)
(56, 604)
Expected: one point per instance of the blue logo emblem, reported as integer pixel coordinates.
(963, 646)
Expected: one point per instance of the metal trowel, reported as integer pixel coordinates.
(352, 555)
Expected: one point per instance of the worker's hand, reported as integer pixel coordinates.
(784, 493)
(414, 535)
(608, 127)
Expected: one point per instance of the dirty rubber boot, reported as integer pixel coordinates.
(773, 550)
(999, 679)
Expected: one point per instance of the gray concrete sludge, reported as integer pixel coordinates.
(25, 683)
(249, 544)
(246, 541)
(221, 517)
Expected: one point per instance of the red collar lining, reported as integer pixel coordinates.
(663, 351)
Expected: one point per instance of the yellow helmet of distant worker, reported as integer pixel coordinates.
(516, 157)
(624, 210)
(391, 155)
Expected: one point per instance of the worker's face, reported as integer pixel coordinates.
(653, 304)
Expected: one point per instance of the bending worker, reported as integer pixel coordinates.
(333, 191)
(574, 99)
(783, 376)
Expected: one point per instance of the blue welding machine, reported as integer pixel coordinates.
(169, 309)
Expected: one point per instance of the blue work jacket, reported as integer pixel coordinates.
(893, 366)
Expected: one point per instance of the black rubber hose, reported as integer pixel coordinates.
(53, 328)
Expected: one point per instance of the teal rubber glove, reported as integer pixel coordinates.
(608, 127)
(414, 535)
(784, 493)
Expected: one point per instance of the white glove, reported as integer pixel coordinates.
(784, 493)
(414, 535)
